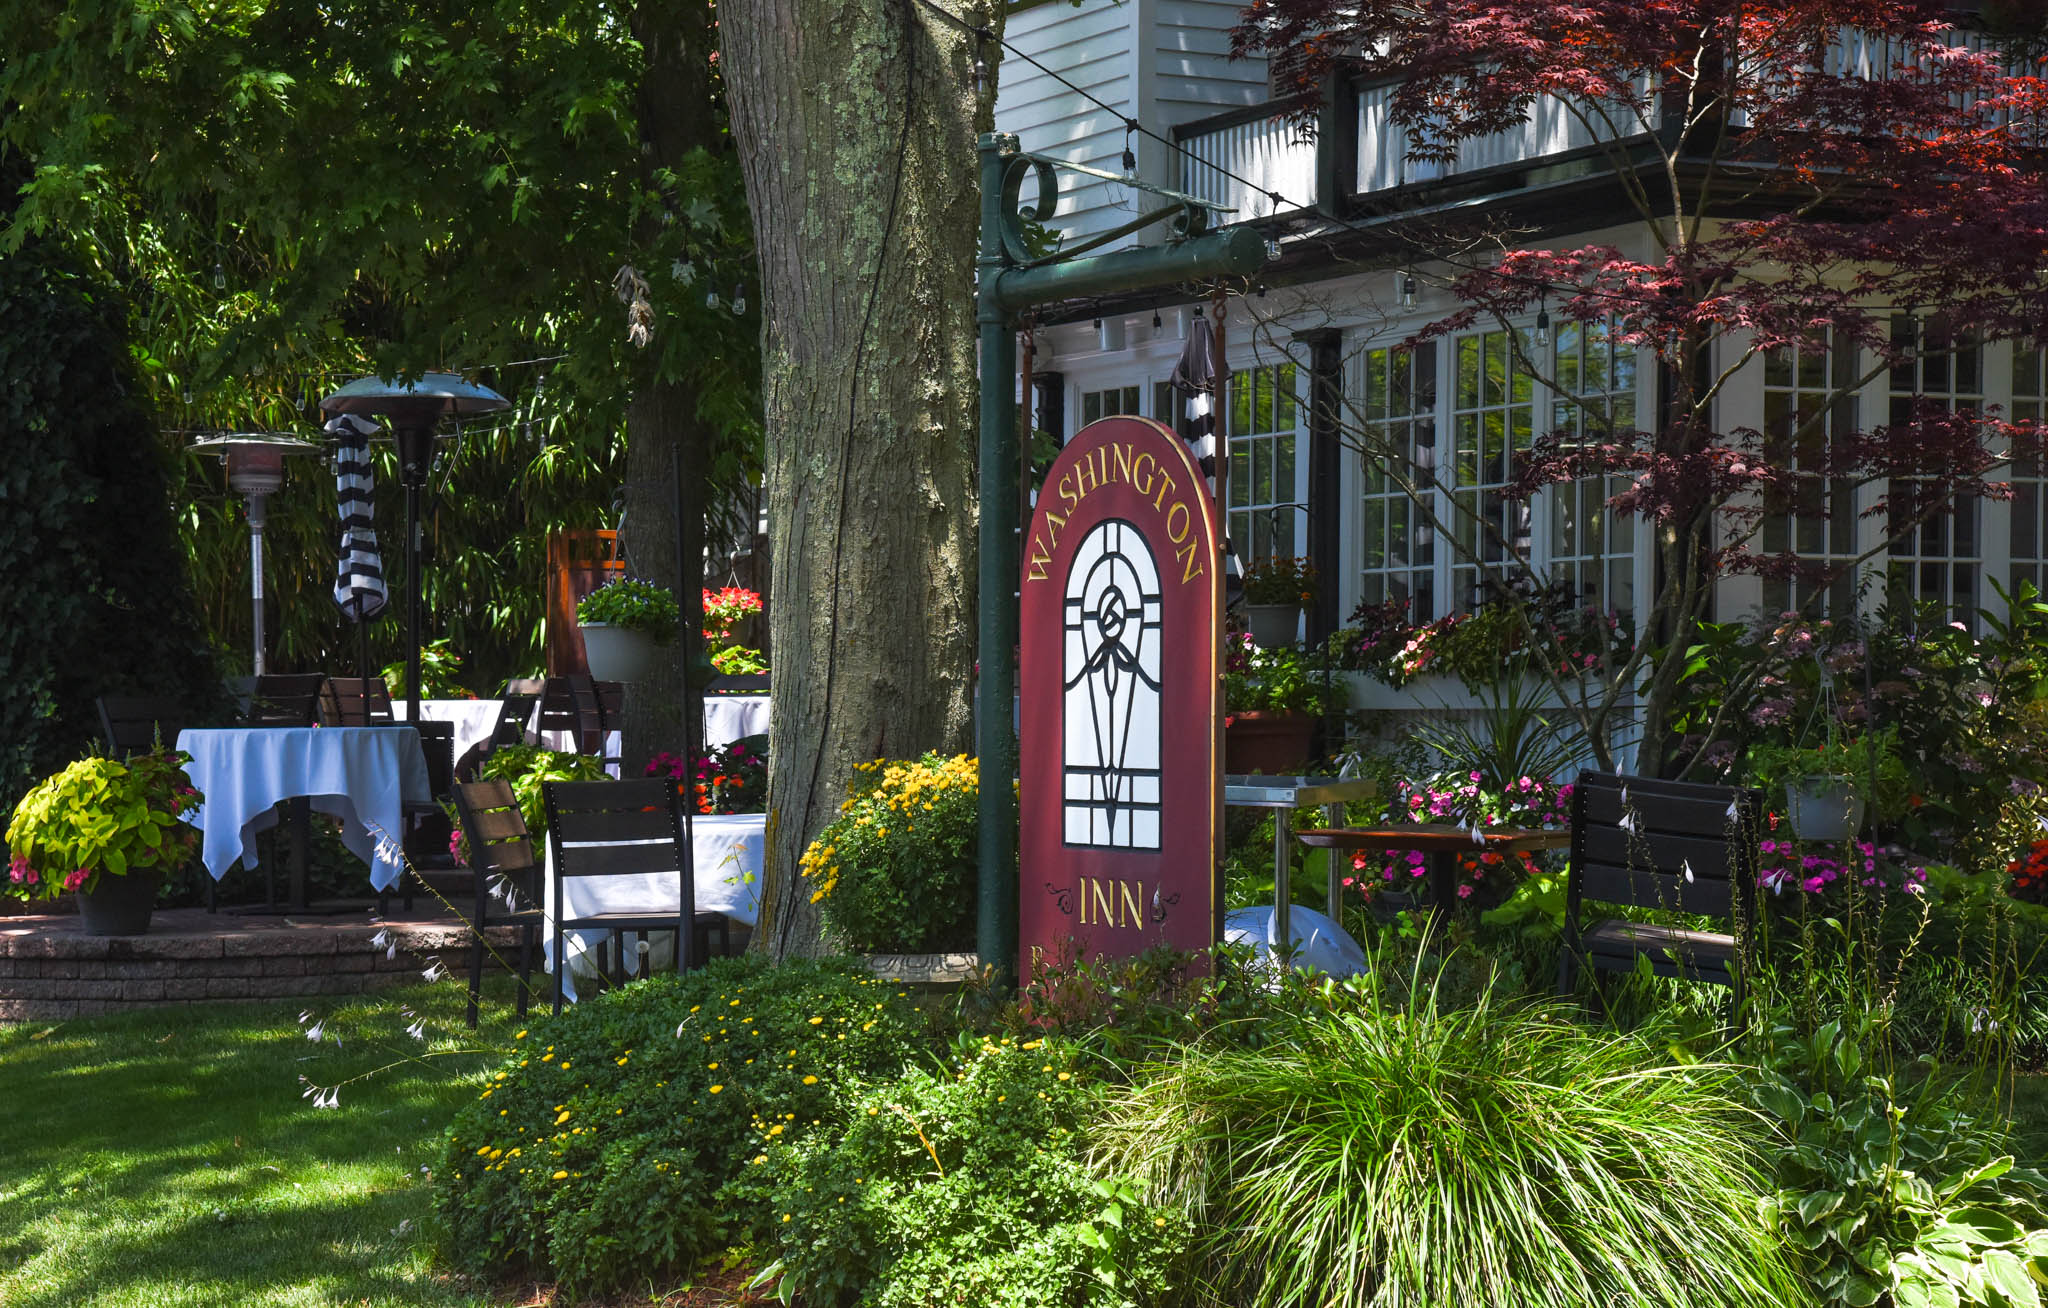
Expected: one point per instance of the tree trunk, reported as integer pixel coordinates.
(665, 437)
(667, 444)
(856, 127)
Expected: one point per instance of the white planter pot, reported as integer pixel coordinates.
(617, 653)
(1272, 625)
(1824, 808)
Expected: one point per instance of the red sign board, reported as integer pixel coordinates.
(1120, 800)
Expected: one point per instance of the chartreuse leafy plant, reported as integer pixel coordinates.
(530, 767)
(1378, 1153)
(1896, 1191)
(600, 1152)
(633, 604)
(894, 871)
(101, 817)
(966, 1183)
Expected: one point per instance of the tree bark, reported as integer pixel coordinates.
(856, 126)
(667, 443)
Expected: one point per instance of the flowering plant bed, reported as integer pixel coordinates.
(893, 873)
(1465, 799)
(731, 778)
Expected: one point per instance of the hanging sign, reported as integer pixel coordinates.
(1120, 799)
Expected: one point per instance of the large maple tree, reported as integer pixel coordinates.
(1805, 172)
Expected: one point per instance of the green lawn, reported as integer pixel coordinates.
(166, 1156)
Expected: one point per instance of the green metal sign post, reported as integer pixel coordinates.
(1012, 277)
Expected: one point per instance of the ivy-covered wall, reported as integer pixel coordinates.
(93, 594)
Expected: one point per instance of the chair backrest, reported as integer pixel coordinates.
(499, 844)
(285, 699)
(514, 713)
(1672, 844)
(133, 724)
(616, 828)
(571, 704)
(355, 702)
(437, 742)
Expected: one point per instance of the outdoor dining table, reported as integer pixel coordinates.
(1283, 795)
(727, 851)
(1440, 842)
(363, 775)
(473, 719)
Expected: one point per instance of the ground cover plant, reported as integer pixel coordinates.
(598, 1153)
(166, 1157)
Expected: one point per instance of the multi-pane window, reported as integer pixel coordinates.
(1935, 541)
(1590, 546)
(2029, 502)
(1110, 403)
(1397, 424)
(1809, 399)
(1492, 419)
(1264, 508)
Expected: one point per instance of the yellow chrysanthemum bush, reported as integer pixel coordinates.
(894, 872)
(606, 1148)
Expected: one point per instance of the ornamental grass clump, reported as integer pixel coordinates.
(893, 872)
(1377, 1155)
(600, 1152)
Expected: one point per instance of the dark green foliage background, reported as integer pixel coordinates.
(96, 598)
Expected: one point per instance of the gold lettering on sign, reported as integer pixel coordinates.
(1067, 491)
(1113, 902)
(1185, 517)
(1105, 466)
(1122, 455)
(1053, 523)
(1165, 489)
(1087, 475)
(1141, 481)
(1041, 558)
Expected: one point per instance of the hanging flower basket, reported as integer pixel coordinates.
(1824, 808)
(1272, 625)
(617, 653)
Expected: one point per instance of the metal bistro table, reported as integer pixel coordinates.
(1283, 795)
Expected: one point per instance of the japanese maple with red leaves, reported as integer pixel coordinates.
(1800, 175)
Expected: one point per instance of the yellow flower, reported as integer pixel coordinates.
(715, 1089)
(563, 1118)
(1066, 1076)
(814, 1021)
(810, 1080)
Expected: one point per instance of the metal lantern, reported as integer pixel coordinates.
(411, 410)
(255, 471)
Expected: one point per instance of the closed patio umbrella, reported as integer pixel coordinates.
(359, 573)
(1199, 374)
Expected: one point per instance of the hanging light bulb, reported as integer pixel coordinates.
(1272, 249)
(220, 278)
(1407, 290)
(711, 299)
(1156, 322)
(1130, 156)
(1542, 326)
(739, 300)
(980, 74)
(1098, 324)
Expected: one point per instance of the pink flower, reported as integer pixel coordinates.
(1464, 892)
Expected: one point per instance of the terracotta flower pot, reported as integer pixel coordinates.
(1276, 744)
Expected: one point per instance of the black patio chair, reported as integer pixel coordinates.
(501, 858)
(285, 699)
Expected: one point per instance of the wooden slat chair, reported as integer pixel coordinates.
(133, 724)
(622, 828)
(287, 699)
(1672, 845)
(501, 855)
(356, 702)
(571, 705)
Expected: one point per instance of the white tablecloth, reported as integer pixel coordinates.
(728, 854)
(363, 775)
(474, 719)
(730, 717)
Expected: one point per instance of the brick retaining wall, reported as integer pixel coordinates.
(50, 970)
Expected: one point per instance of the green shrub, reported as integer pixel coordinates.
(967, 1185)
(1895, 1189)
(598, 1152)
(1382, 1155)
(528, 768)
(894, 872)
(635, 605)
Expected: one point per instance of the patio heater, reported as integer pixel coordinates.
(255, 471)
(410, 411)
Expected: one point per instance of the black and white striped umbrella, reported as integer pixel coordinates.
(1198, 375)
(359, 574)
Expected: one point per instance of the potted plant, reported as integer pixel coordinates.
(1826, 785)
(108, 830)
(1271, 700)
(622, 623)
(1274, 592)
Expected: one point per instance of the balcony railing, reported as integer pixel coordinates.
(1266, 152)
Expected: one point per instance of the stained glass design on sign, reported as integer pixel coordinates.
(1110, 720)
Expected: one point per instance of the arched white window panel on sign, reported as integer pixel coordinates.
(1110, 725)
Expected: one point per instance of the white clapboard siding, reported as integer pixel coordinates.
(1089, 45)
(1239, 166)
(1194, 75)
